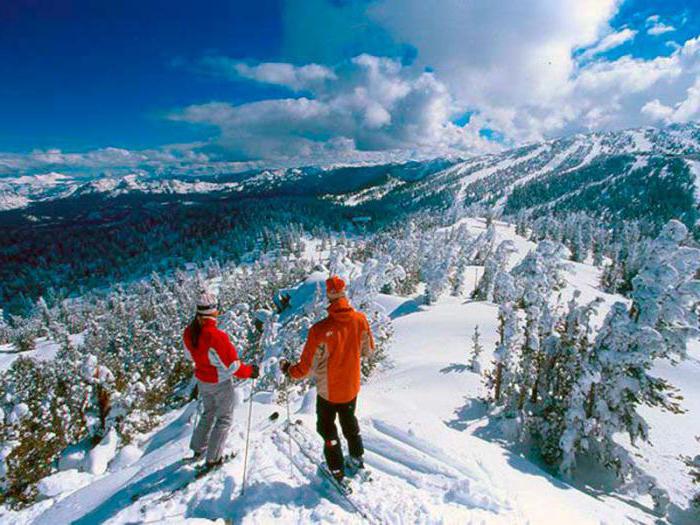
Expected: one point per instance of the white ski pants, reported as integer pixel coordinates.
(217, 416)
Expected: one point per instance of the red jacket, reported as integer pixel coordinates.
(333, 350)
(215, 358)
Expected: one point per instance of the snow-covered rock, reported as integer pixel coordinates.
(99, 457)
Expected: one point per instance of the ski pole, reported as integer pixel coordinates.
(247, 438)
(197, 412)
(289, 423)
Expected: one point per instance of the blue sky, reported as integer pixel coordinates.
(131, 85)
(85, 74)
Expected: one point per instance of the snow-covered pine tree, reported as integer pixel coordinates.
(522, 223)
(376, 275)
(616, 377)
(496, 263)
(504, 288)
(24, 332)
(530, 358)
(31, 442)
(438, 260)
(4, 329)
(500, 378)
(693, 465)
(476, 351)
(338, 263)
(484, 244)
(565, 344)
(463, 258)
(542, 270)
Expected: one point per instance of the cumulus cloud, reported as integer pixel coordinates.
(529, 70)
(366, 104)
(683, 111)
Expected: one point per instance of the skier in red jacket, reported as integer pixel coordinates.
(215, 362)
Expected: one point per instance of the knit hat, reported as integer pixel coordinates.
(335, 288)
(207, 303)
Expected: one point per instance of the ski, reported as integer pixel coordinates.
(203, 470)
(344, 490)
(361, 475)
(198, 472)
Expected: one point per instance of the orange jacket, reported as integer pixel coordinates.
(332, 352)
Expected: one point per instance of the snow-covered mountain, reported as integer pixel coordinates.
(625, 173)
(649, 173)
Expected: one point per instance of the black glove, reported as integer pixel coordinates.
(255, 371)
(284, 366)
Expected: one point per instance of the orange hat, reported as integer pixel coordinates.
(335, 287)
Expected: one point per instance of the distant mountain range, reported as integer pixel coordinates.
(636, 173)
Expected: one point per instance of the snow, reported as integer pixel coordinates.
(640, 162)
(434, 454)
(62, 482)
(641, 141)
(100, 456)
(595, 151)
(45, 350)
(501, 164)
(72, 457)
(372, 193)
(128, 455)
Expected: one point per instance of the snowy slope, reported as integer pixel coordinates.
(434, 456)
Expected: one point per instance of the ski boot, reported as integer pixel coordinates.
(356, 467)
(194, 458)
(341, 481)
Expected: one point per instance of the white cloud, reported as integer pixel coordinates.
(527, 70)
(368, 104)
(517, 64)
(660, 29)
(501, 53)
(655, 27)
(282, 74)
(683, 111)
(104, 160)
(609, 42)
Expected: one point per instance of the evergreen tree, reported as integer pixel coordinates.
(495, 264)
(477, 349)
(694, 465)
(616, 375)
(542, 270)
(437, 267)
(501, 379)
(484, 244)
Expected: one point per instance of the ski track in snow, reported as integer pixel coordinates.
(427, 439)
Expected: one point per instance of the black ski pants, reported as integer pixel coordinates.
(325, 425)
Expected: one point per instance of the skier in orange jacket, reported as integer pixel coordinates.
(332, 354)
